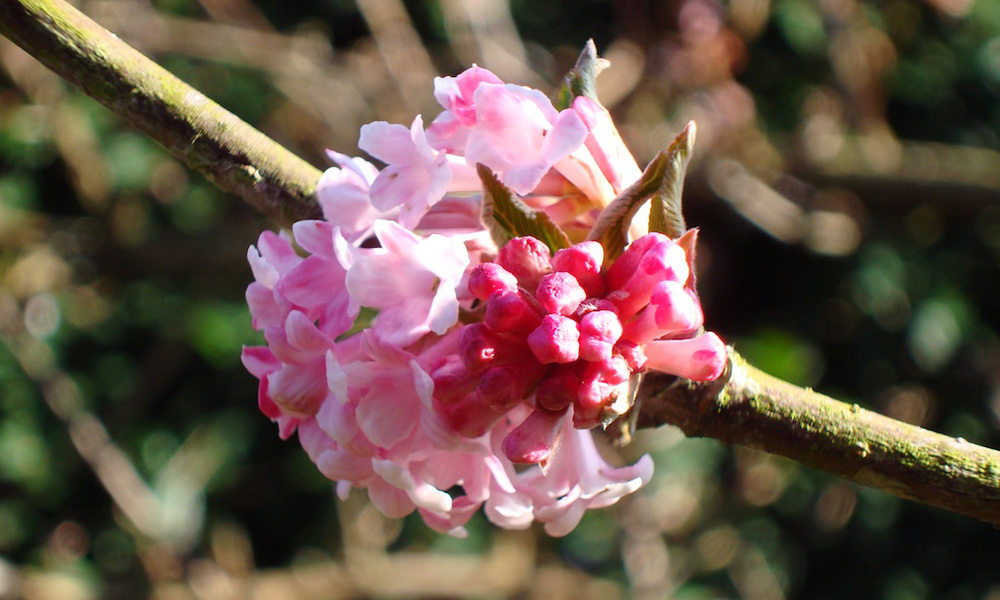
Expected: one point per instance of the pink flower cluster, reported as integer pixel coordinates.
(417, 360)
(564, 336)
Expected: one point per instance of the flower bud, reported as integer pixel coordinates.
(601, 384)
(560, 293)
(527, 258)
(621, 270)
(664, 261)
(468, 417)
(672, 310)
(702, 358)
(556, 340)
(505, 386)
(510, 312)
(489, 278)
(534, 440)
(558, 389)
(583, 261)
(452, 381)
(479, 347)
(599, 330)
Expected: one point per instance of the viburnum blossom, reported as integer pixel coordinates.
(445, 369)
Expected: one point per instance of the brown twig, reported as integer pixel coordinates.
(234, 155)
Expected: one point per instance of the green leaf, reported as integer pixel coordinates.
(363, 321)
(506, 217)
(665, 215)
(582, 78)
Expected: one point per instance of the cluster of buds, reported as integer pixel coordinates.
(439, 329)
(566, 337)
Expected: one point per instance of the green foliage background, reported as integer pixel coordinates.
(845, 182)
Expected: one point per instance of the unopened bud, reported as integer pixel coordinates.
(599, 330)
(560, 293)
(556, 340)
(701, 358)
(558, 389)
(527, 258)
(510, 312)
(534, 440)
(480, 347)
(489, 278)
(583, 261)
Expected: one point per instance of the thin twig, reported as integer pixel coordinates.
(237, 157)
(89, 436)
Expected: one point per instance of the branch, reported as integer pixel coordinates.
(209, 139)
(750, 408)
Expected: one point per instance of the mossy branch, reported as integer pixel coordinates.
(750, 408)
(745, 407)
(209, 139)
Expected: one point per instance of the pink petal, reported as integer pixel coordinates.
(264, 307)
(389, 412)
(389, 499)
(341, 465)
(313, 282)
(387, 142)
(259, 360)
(315, 237)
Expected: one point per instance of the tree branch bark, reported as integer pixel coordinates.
(750, 408)
(209, 139)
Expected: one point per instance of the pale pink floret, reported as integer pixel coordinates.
(606, 145)
(416, 177)
(519, 134)
(577, 478)
(456, 94)
(316, 284)
(420, 295)
(343, 194)
(291, 370)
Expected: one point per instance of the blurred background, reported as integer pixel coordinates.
(847, 185)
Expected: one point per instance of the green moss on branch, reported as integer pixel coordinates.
(750, 408)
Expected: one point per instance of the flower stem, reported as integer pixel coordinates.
(209, 139)
(750, 408)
